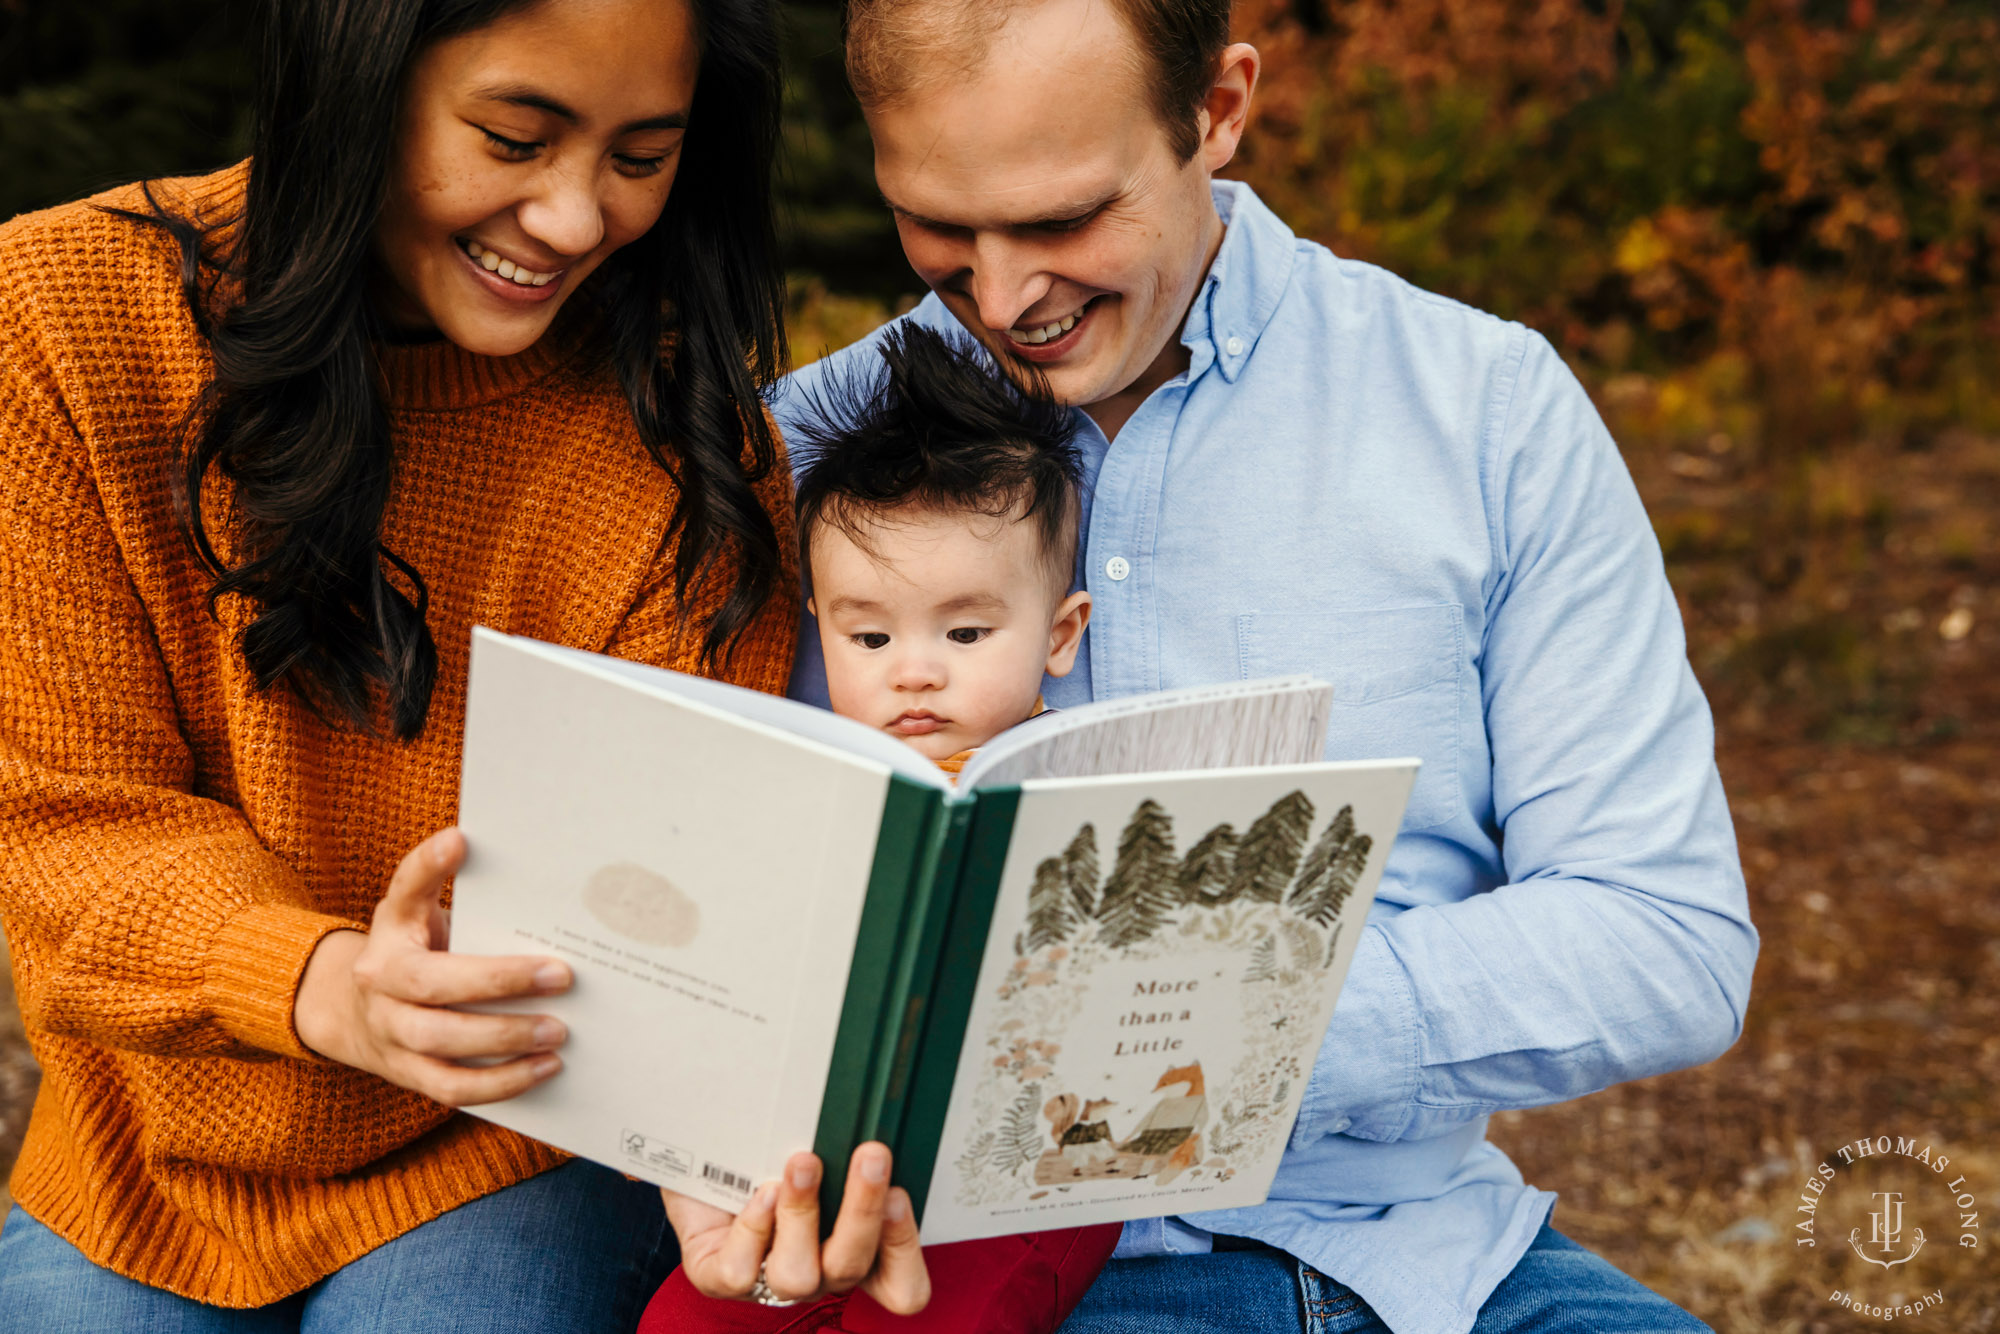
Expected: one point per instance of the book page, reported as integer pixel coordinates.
(1239, 724)
(703, 876)
(804, 721)
(1164, 958)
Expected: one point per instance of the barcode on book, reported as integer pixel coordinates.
(725, 1178)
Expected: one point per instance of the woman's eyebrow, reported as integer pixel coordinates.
(522, 95)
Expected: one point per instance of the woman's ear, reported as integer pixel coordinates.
(1072, 618)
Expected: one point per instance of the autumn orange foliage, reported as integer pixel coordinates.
(1789, 211)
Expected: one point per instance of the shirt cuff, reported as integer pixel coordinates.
(1364, 1083)
(254, 966)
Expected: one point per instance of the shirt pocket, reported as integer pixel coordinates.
(1395, 673)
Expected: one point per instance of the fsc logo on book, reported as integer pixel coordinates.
(1910, 1196)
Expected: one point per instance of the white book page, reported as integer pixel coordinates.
(1149, 1008)
(704, 878)
(1240, 724)
(817, 725)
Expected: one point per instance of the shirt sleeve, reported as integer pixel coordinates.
(141, 915)
(1621, 944)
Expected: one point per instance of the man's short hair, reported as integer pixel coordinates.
(938, 425)
(1181, 40)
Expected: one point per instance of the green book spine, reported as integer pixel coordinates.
(913, 819)
(916, 960)
(927, 942)
(962, 950)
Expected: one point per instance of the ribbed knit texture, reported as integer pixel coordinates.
(174, 843)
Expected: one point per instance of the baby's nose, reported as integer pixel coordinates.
(919, 671)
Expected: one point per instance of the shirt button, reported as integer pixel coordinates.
(1234, 347)
(1117, 567)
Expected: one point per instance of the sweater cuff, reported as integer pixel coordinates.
(254, 966)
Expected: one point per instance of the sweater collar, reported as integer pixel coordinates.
(439, 374)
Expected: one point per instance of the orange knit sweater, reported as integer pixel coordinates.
(174, 842)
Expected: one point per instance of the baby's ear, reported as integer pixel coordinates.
(1072, 618)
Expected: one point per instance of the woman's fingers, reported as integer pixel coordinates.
(900, 1282)
(413, 889)
(430, 977)
(792, 1268)
(849, 1254)
(469, 1086)
(453, 1035)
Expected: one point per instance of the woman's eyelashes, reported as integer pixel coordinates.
(514, 150)
(524, 150)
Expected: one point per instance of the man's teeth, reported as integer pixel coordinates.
(506, 268)
(1042, 333)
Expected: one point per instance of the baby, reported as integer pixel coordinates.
(938, 525)
(939, 530)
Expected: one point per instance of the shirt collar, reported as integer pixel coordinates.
(1244, 285)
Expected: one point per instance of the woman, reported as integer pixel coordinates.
(445, 352)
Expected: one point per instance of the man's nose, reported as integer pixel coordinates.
(565, 212)
(1005, 281)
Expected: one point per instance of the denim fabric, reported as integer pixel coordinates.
(576, 1249)
(1557, 1287)
(1418, 503)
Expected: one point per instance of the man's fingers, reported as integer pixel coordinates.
(469, 1086)
(849, 1253)
(730, 1268)
(900, 1282)
(792, 1268)
(452, 1035)
(413, 889)
(427, 977)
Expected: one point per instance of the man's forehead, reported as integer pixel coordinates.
(1035, 127)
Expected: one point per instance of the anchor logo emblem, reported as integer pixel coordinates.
(1887, 1232)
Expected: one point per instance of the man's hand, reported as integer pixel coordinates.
(874, 1246)
(378, 1001)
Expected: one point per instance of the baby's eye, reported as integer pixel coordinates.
(967, 634)
(871, 639)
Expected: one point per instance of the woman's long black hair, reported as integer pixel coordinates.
(293, 419)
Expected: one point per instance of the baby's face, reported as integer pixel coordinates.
(939, 626)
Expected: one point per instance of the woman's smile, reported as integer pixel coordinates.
(504, 278)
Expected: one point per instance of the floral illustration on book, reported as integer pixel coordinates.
(1197, 975)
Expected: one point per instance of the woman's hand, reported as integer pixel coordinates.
(377, 1001)
(874, 1245)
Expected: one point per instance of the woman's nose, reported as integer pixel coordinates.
(564, 212)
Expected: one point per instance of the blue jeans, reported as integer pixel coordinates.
(1557, 1288)
(578, 1248)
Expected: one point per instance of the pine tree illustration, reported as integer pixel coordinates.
(1080, 865)
(1269, 852)
(1020, 1138)
(1330, 896)
(1263, 964)
(1338, 831)
(1204, 872)
(1140, 893)
(1048, 906)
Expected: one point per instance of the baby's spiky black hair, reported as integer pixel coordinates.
(938, 425)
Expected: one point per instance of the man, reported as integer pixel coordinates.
(1300, 463)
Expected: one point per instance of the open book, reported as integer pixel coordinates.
(1085, 984)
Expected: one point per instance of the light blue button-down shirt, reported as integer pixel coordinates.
(1418, 503)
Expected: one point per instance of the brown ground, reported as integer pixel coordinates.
(1845, 617)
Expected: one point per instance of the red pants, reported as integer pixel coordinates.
(1002, 1285)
